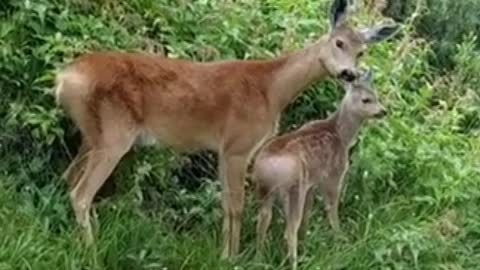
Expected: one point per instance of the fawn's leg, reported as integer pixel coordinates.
(264, 219)
(232, 172)
(294, 212)
(331, 190)
(306, 213)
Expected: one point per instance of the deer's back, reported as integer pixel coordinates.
(316, 143)
(173, 99)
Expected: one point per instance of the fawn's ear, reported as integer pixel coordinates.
(378, 33)
(368, 77)
(338, 13)
(347, 86)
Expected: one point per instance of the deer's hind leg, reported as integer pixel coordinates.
(109, 139)
(294, 204)
(77, 165)
(264, 217)
(306, 213)
(101, 161)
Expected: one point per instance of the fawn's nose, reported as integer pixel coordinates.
(347, 75)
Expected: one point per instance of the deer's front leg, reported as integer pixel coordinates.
(331, 207)
(331, 190)
(232, 173)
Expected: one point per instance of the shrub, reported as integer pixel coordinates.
(444, 22)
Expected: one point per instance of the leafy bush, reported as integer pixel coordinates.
(444, 22)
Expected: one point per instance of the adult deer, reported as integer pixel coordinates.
(229, 107)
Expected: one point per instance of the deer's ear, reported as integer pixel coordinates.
(378, 33)
(338, 13)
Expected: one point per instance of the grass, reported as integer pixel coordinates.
(395, 235)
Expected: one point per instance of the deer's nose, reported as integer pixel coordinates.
(347, 75)
(381, 114)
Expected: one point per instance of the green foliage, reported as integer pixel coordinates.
(406, 172)
(447, 22)
(444, 22)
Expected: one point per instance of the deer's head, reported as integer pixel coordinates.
(344, 45)
(361, 99)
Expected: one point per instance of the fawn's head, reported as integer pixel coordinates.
(361, 99)
(344, 45)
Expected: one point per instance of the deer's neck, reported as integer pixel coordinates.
(299, 70)
(347, 125)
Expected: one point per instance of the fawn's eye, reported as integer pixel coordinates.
(366, 100)
(340, 44)
(360, 54)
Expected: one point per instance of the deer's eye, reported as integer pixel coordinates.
(360, 54)
(366, 100)
(340, 44)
